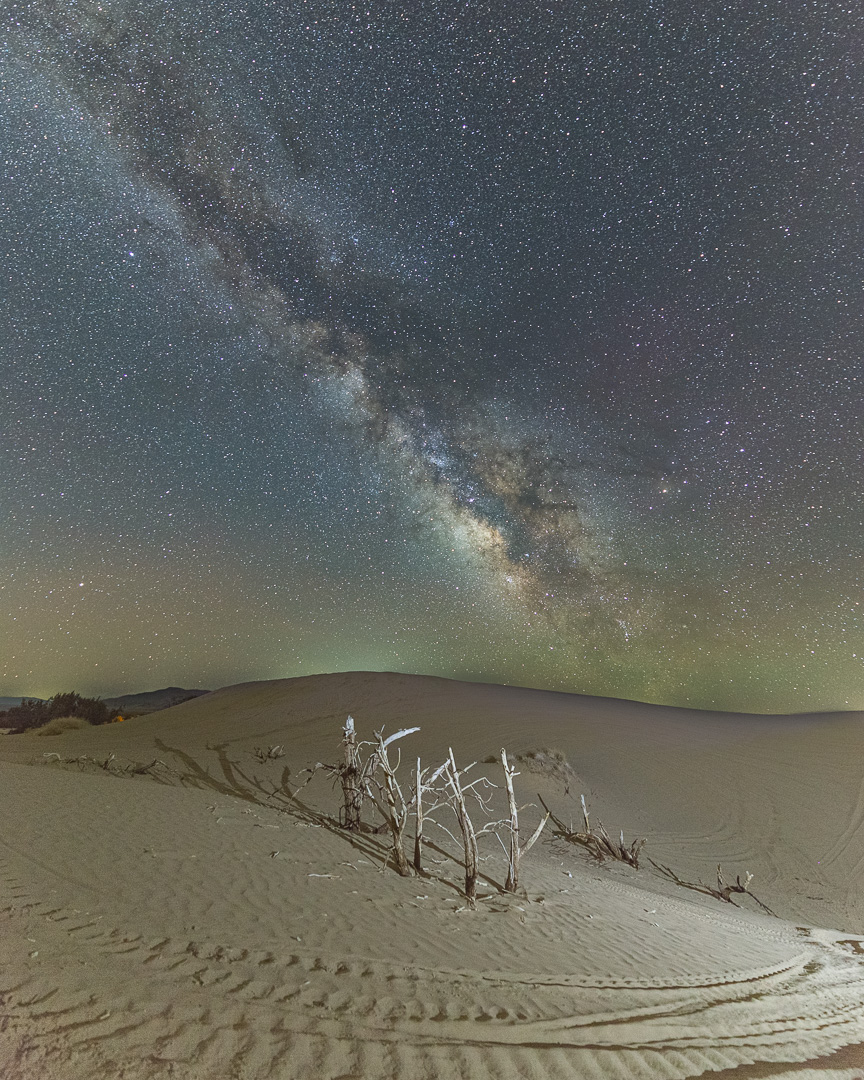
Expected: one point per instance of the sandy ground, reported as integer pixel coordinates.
(196, 922)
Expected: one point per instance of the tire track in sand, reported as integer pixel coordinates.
(234, 1011)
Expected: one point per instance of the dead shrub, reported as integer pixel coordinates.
(358, 776)
(597, 841)
(368, 773)
(457, 792)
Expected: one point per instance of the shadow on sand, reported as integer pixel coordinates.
(231, 779)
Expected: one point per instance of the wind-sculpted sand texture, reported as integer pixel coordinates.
(196, 922)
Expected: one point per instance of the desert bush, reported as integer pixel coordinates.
(32, 713)
(551, 763)
(544, 761)
(72, 704)
(29, 714)
(63, 723)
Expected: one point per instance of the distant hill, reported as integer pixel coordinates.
(153, 700)
(11, 702)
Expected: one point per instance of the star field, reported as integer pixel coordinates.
(520, 343)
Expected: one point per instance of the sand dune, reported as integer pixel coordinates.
(189, 923)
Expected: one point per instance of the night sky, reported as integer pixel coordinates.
(507, 341)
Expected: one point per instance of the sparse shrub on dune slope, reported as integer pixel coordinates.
(63, 723)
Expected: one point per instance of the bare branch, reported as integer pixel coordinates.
(397, 735)
(418, 818)
(350, 778)
(535, 836)
(445, 829)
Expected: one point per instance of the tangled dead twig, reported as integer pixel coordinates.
(110, 764)
(140, 768)
(598, 841)
(457, 790)
(82, 760)
(359, 779)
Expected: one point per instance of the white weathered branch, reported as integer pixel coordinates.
(398, 735)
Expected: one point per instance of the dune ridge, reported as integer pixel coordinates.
(189, 922)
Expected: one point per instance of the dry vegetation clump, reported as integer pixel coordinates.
(597, 840)
(367, 772)
(552, 764)
(110, 764)
(601, 845)
(63, 723)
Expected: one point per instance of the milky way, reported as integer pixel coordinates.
(518, 342)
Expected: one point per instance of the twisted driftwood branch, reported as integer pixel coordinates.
(724, 889)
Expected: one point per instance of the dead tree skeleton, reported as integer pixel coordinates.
(353, 774)
(516, 852)
(456, 792)
(375, 778)
(352, 777)
(469, 836)
(389, 800)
